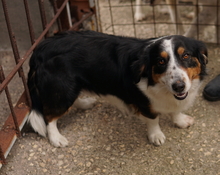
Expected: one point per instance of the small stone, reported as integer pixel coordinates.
(53, 150)
(108, 148)
(67, 170)
(44, 170)
(60, 163)
(42, 165)
(172, 162)
(208, 153)
(88, 164)
(201, 149)
(79, 143)
(66, 166)
(61, 156)
(35, 146)
(73, 152)
(31, 155)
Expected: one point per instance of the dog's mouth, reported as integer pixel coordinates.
(181, 96)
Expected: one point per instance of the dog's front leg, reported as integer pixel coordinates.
(139, 15)
(155, 135)
(175, 16)
(182, 120)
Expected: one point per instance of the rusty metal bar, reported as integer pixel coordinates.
(11, 34)
(30, 26)
(2, 157)
(2, 77)
(27, 54)
(14, 48)
(43, 15)
(8, 133)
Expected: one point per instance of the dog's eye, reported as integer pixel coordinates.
(161, 61)
(186, 56)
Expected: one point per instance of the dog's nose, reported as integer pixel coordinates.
(178, 86)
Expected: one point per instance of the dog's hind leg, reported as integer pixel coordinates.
(175, 16)
(84, 103)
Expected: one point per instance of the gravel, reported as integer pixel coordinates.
(104, 141)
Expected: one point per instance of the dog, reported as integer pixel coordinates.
(147, 77)
(207, 15)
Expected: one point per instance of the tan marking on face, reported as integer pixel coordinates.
(193, 72)
(164, 54)
(156, 77)
(180, 50)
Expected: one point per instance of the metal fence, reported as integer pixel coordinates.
(118, 17)
(68, 15)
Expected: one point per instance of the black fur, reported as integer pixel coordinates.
(63, 65)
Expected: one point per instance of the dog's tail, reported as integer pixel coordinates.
(35, 118)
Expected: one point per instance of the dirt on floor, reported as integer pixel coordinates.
(104, 141)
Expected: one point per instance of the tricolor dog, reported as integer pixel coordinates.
(148, 77)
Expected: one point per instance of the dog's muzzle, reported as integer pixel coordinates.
(179, 87)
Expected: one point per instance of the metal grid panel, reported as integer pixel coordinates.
(117, 17)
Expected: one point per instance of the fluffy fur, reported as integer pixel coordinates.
(147, 76)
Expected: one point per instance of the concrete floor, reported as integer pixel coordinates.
(104, 141)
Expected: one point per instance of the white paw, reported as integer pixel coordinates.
(139, 16)
(183, 121)
(84, 103)
(54, 135)
(157, 138)
(58, 140)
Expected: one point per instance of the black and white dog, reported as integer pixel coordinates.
(150, 76)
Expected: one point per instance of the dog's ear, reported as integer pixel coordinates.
(137, 68)
(205, 58)
(202, 52)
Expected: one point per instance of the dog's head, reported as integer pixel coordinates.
(175, 62)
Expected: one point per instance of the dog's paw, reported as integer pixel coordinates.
(84, 103)
(183, 121)
(139, 16)
(157, 138)
(58, 141)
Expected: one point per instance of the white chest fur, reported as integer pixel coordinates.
(163, 101)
